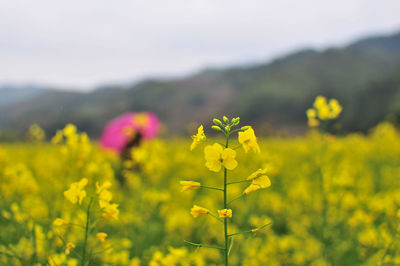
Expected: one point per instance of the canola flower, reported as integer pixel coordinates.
(189, 185)
(219, 156)
(36, 133)
(102, 237)
(259, 180)
(198, 138)
(361, 190)
(225, 213)
(323, 110)
(248, 139)
(110, 211)
(69, 247)
(197, 210)
(60, 222)
(76, 193)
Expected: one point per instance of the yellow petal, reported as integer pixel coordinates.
(262, 181)
(228, 153)
(214, 166)
(230, 164)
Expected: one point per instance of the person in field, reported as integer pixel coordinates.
(128, 130)
(125, 132)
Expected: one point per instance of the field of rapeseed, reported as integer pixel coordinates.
(311, 200)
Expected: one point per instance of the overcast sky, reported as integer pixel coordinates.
(86, 43)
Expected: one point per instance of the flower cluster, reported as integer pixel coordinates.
(219, 156)
(36, 133)
(323, 110)
(259, 179)
(361, 191)
(76, 195)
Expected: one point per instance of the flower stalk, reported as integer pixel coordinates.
(220, 157)
(214, 188)
(202, 245)
(84, 248)
(250, 231)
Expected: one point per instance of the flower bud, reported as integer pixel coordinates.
(245, 128)
(226, 119)
(227, 128)
(217, 122)
(217, 128)
(236, 121)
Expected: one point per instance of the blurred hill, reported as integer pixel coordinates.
(364, 76)
(10, 94)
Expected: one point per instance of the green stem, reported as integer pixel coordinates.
(86, 233)
(216, 217)
(34, 240)
(102, 251)
(237, 147)
(237, 197)
(230, 246)
(323, 195)
(216, 141)
(236, 130)
(202, 245)
(249, 231)
(77, 225)
(392, 241)
(236, 182)
(215, 188)
(225, 206)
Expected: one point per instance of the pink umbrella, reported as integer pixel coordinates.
(122, 129)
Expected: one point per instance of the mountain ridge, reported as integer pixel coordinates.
(274, 94)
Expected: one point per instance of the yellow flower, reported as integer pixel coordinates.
(68, 248)
(59, 222)
(319, 102)
(336, 108)
(312, 117)
(69, 130)
(225, 213)
(251, 188)
(6, 214)
(106, 185)
(325, 110)
(322, 107)
(105, 195)
(199, 137)
(248, 140)
(102, 237)
(216, 156)
(189, 185)
(110, 211)
(197, 210)
(324, 113)
(312, 122)
(75, 193)
(259, 180)
(311, 113)
(258, 173)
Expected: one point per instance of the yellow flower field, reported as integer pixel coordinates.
(326, 200)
